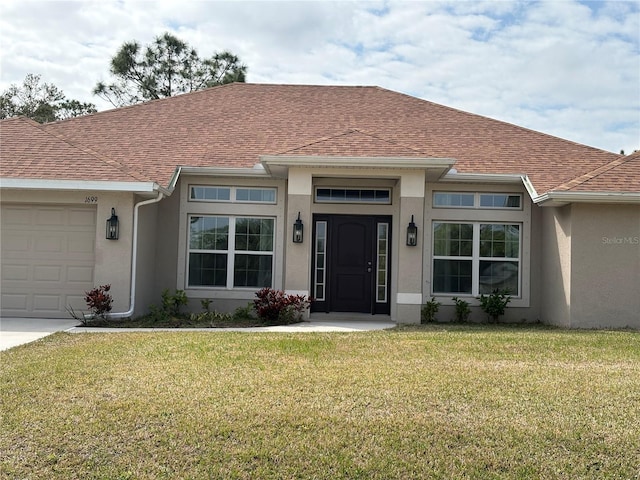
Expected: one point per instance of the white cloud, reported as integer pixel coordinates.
(563, 67)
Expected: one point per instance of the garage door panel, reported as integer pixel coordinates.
(46, 303)
(50, 273)
(79, 274)
(18, 302)
(48, 258)
(50, 216)
(14, 273)
(81, 217)
(15, 244)
(17, 215)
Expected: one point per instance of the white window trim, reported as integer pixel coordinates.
(475, 257)
(230, 252)
(233, 189)
(476, 200)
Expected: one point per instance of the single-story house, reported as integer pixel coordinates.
(365, 199)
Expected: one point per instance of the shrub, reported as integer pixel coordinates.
(462, 309)
(495, 303)
(277, 307)
(99, 301)
(213, 318)
(429, 310)
(171, 303)
(244, 313)
(206, 304)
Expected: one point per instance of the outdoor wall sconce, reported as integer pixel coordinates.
(298, 229)
(113, 226)
(412, 234)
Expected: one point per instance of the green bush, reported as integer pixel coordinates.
(495, 303)
(429, 310)
(462, 310)
(171, 303)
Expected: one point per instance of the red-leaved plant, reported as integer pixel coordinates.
(277, 307)
(99, 300)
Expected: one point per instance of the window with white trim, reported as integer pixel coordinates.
(476, 257)
(211, 193)
(480, 200)
(230, 252)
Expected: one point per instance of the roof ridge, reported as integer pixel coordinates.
(349, 131)
(377, 136)
(103, 158)
(585, 177)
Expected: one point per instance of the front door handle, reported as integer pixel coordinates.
(369, 269)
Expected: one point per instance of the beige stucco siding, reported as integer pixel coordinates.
(605, 280)
(556, 266)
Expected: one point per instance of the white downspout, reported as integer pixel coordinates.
(134, 258)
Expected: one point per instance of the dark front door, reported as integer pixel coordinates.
(351, 263)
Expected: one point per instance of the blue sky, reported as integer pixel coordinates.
(563, 67)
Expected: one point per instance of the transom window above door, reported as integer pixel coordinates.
(353, 195)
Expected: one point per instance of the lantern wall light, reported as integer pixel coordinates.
(298, 230)
(113, 226)
(412, 234)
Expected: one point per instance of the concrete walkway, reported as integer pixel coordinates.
(18, 331)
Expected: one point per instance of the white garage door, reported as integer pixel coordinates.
(47, 259)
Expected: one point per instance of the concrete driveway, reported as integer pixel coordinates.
(18, 331)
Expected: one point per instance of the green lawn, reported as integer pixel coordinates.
(436, 402)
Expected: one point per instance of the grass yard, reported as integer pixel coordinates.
(434, 402)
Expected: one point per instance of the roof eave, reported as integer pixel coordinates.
(101, 185)
(558, 199)
(278, 165)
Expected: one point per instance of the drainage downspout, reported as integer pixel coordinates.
(134, 258)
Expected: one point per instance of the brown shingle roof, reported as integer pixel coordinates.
(232, 125)
(622, 175)
(28, 151)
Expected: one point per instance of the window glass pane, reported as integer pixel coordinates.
(323, 195)
(499, 200)
(320, 270)
(499, 241)
(220, 194)
(256, 195)
(383, 255)
(441, 199)
(209, 233)
(499, 275)
(452, 276)
(252, 270)
(453, 239)
(254, 234)
(208, 269)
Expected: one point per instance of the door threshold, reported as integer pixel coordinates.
(348, 316)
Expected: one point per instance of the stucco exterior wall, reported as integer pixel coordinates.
(164, 270)
(605, 278)
(112, 257)
(556, 265)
